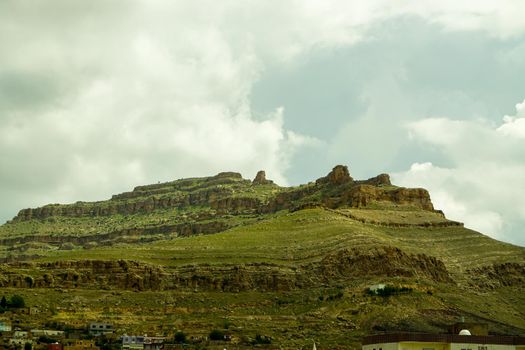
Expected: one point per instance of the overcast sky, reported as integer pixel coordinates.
(97, 97)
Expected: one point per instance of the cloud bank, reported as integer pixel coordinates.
(484, 185)
(97, 97)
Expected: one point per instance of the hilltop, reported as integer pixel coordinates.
(286, 262)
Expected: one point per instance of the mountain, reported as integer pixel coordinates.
(290, 263)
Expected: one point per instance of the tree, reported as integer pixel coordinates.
(17, 302)
(216, 335)
(28, 346)
(180, 337)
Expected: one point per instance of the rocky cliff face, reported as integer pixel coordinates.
(206, 205)
(225, 193)
(383, 261)
(498, 275)
(340, 266)
(338, 176)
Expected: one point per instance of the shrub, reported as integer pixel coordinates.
(16, 302)
(46, 340)
(262, 339)
(226, 324)
(216, 334)
(180, 337)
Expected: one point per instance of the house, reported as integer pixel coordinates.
(424, 341)
(5, 327)
(153, 343)
(132, 342)
(54, 346)
(80, 345)
(47, 332)
(20, 338)
(97, 328)
(375, 287)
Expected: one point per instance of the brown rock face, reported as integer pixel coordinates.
(260, 179)
(339, 175)
(362, 195)
(379, 180)
(499, 275)
(131, 275)
(383, 261)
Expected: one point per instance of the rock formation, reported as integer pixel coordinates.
(123, 274)
(260, 179)
(339, 175)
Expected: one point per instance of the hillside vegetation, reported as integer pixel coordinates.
(293, 264)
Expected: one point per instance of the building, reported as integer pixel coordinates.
(96, 328)
(54, 346)
(475, 328)
(422, 341)
(5, 327)
(154, 343)
(132, 342)
(20, 338)
(47, 332)
(81, 345)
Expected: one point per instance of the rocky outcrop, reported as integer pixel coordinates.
(260, 179)
(339, 175)
(140, 233)
(445, 223)
(363, 195)
(379, 180)
(145, 205)
(229, 194)
(122, 274)
(498, 275)
(383, 261)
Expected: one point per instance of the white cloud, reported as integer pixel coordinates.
(514, 126)
(484, 185)
(105, 95)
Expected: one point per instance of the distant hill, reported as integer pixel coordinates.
(291, 263)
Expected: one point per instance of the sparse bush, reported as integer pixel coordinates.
(46, 340)
(216, 334)
(262, 339)
(16, 302)
(180, 337)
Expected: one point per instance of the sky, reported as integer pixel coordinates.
(97, 97)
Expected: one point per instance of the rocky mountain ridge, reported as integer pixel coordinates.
(336, 189)
(199, 206)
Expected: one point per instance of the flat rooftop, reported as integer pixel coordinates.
(443, 338)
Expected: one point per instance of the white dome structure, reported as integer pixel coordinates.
(464, 332)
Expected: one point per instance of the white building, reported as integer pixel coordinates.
(422, 341)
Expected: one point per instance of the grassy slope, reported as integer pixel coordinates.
(306, 235)
(291, 318)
